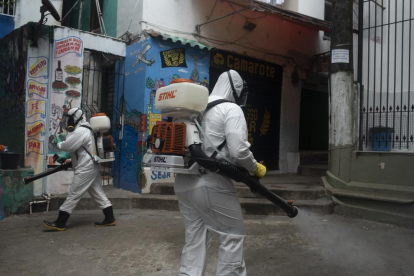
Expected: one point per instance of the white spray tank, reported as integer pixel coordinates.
(183, 101)
(104, 144)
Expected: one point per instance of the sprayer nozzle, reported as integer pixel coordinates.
(294, 213)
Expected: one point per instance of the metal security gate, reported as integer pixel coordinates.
(386, 75)
(101, 84)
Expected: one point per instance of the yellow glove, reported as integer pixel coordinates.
(260, 170)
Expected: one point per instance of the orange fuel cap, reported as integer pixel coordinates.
(178, 80)
(98, 114)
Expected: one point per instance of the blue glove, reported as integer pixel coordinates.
(63, 157)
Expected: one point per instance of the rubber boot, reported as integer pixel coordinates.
(109, 218)
(60, 223)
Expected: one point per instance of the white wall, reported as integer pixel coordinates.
(29, 11)
(129, 15)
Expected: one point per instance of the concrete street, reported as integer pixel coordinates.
(149, 242)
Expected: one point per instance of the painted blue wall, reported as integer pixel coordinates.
(144, 73)
(6, 25)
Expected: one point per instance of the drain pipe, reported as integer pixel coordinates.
(46, 199)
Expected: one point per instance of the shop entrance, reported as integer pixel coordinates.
(262, 115)
(314, 124)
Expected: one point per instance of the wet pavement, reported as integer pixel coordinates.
(149, 242)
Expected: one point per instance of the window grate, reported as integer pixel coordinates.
(8, 7)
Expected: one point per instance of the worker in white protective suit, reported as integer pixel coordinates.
(80, 143)
(209, 202)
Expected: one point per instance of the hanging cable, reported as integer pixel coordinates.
(64, 18)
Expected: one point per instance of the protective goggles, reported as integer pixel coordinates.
(69, 120)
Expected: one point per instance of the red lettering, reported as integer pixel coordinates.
(167, 95)
(34, 145)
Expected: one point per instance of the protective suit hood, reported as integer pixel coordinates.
(223, 88)
(74, 118)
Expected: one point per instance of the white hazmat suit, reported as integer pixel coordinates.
(87, 173)
(209, 202)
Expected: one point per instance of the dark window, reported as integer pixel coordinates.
(8, 7)
(328, 17)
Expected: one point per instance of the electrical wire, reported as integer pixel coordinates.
(208, 18)
(221, 42)
(252, 18)
(133, 12)
(63, 19)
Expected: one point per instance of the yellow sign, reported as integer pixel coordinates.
(35, 146)
(34, 87)
(38, 67)
(36, 107)
(35, 128)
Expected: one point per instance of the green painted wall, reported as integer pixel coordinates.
(110, 11)
(16, 195)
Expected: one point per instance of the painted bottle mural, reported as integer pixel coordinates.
(59, 73)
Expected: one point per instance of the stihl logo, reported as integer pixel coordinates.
(158, 159)
(167, 95)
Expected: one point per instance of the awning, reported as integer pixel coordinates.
(294, 17)
(183, 41)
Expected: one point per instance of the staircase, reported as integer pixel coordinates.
(306, 192)
(313, 163)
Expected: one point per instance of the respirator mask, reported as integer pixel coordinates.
(241, 99)
(69, 120)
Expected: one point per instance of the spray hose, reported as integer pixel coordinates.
(240, 175)
(62, 167)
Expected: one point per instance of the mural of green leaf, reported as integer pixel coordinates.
(175, 76)
(150, 83)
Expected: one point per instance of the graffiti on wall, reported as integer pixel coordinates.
(66, 86)
(152, 66)
(38, 67)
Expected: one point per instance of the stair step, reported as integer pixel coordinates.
(313, 169)
(314, 157)
(286, 191)
(251, 206)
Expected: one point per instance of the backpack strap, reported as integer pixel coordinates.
(210, 105)
(216, 102)
(93, 159)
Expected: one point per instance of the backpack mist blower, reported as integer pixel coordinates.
(104, 146)
(176, 146)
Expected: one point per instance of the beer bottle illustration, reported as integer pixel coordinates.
(58, 73)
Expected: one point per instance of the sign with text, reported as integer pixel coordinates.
(34, 146)
(34, 87)
(36, 107)
(340, 56)
(242, 64)
(38, 67)
(35, 128)
(71, 44)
